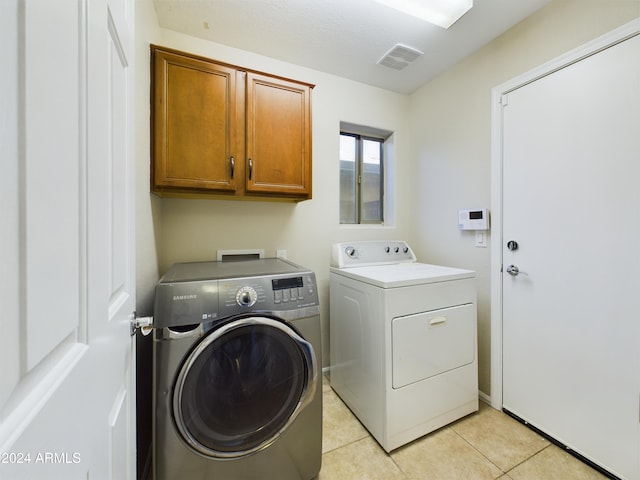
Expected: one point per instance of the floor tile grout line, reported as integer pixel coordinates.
(446, 427)
(404, 474)
(343, 445)
(453, 428)
(504, 472)
(528, 458)
(387, 454)
(367, 436)
(481, 454)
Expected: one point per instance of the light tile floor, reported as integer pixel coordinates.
(485, 445)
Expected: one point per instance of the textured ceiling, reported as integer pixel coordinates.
(344, 37)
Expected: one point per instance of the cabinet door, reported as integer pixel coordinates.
(278, 136)
(195, 125)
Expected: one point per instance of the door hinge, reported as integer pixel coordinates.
(143, 324)
(504, 100)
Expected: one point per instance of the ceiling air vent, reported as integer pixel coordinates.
(399, 56)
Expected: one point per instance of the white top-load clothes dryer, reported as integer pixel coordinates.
(403, 340)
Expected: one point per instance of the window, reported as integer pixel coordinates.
(361, 178)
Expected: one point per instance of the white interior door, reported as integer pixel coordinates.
(67, 392)
(571, 201)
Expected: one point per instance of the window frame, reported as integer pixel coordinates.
(359, 171)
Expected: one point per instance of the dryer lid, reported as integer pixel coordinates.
(388, 264)
(404, 274)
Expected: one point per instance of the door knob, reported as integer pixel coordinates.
(514, 271)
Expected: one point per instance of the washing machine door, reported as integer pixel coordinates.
(242, 386)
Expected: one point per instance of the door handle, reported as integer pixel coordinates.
(250, 168)
(233, 165)
(514, 271)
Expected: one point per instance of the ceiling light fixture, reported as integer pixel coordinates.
(442, 13)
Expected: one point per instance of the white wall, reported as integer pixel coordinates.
(443, 134)
(147, 205)
(147, 228)
(451, 119)
(192, 230)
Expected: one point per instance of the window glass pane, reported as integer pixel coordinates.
(348, 155)
(371, 186)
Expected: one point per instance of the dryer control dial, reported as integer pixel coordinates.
(246, 296)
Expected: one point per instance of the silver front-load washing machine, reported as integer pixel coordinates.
(236, 361)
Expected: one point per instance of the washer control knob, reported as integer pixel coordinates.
(246, 297)
(397, 249)
(387, 249)
(351, 252)
(405, 250)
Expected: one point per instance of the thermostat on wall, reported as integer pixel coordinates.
(473, 219)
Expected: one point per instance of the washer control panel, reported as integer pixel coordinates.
(375, 252)
(201, 292)
(273, 293)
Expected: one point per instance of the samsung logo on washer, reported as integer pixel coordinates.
(191, 296)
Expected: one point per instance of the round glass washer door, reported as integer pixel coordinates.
(242, 386)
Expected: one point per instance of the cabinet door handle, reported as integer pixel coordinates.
(233, 165)
(250, 168)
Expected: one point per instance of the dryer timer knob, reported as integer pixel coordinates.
(246, 297)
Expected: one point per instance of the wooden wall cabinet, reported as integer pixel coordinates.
(225, 131)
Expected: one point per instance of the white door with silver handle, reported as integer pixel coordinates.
(570, 329)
